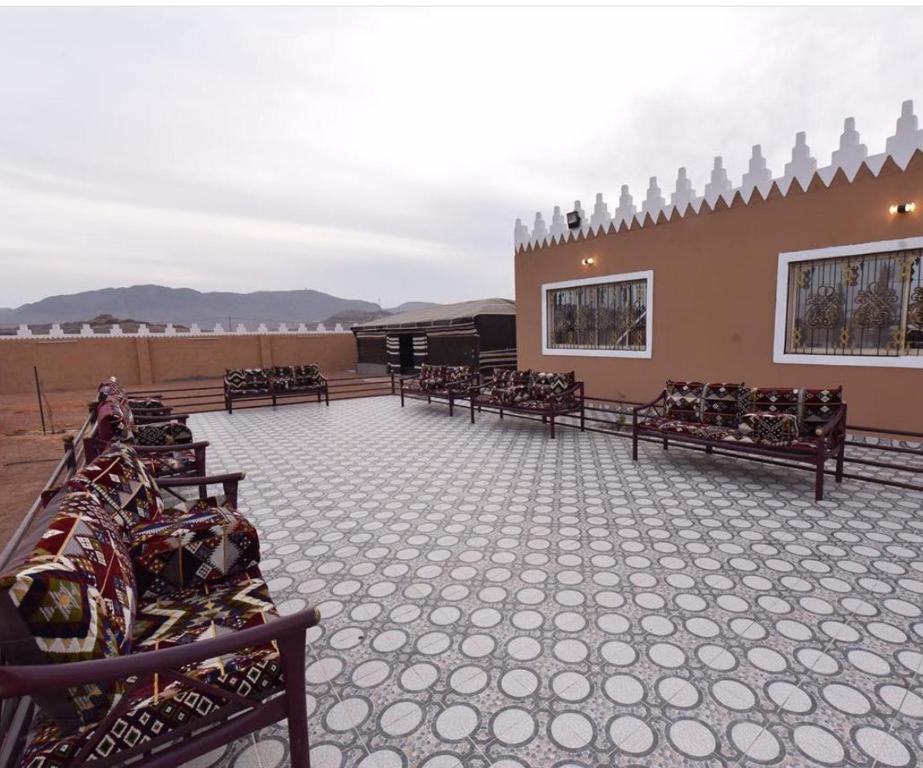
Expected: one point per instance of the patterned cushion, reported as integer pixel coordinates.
(458, 378)
(282, 377)
(183, 617)
(690, 428)
(108, 388)
(163, 433)
(432, 377)
(543, 385)
(307, 375)
(246, 381)
(768, 428)
(114, 423)
(684, 400)
(123, 485)
(773, 400)
(168, 464)
(191, 550)
(148, 402)
(71, 599)
(818, 406)
(721, 404)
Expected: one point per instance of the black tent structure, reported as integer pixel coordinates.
(480, 333)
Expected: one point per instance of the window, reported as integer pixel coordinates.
(606, 316)
(852, 305)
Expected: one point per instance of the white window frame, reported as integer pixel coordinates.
(623, 277)
(779, 355)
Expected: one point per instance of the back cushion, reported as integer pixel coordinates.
(684, 400)
(772, 400)
(818, 406)
(122, 485)
(246, 379)
(722, 404)
(112, 423)
(108, 388)
(458, 373)
(544, 384)
(282, 376)
(71, 598)
(163, 433)
(307, 374)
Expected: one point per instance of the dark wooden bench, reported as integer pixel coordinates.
(802, 425)
(439, 382)
(273, 384)
(540, 393)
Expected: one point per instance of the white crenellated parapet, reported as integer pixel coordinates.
(600, 219)
(56, 331)
(24, 331)
(169, 330)
(558, 224)
(302, 328)
(338, 328)
(802, 166)
(321, 328)
(719, 185)
(850, 156)
(115, 330)
(218, 329)
(684, 195)
(626, 209)
(194, 329)
(241, 328)
(907, 138)
(86, 330)
(283, 328)
(654, 202)
(143, 330)
(539, 230)
(758, 176)
(851, 152)
(261, 328)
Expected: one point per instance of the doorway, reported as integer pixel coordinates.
(405, 351)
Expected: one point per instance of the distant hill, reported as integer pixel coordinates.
(408, 306)
(184, 306)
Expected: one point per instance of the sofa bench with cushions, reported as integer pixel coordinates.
(442, 382)
(132, 626)
(274, 383)
(804, 425)
(547, 394)
(166, 447)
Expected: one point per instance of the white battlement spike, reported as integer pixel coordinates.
(600, 218)
(558, 223)
(520, 234)
(115, 330)
(719, 184)
(262, 328)
(907, 138)
(321, 328)
(758, 176)
(338, 328)
(654, 202)
(169, 330)
(302, 328)
(851, 152)
(86, 329)
(56, 330)
(539, 229)
(684, 194)
(241, 328)
(626, 209)
(218, 329)
(24, 331)
(194, 329)
(802, 166)
(143, 330)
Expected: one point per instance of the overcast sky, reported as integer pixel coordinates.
(384, 154)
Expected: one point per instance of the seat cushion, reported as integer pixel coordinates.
(544, 384)
(768, 428)
(722, 403)
(123, 484)
(162, 433)
(71, 598)
(184, 617)
(170, 463)
(684, 400)
(190, 549)
(668, 426)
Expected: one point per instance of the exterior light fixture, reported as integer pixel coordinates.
(903, 208)
(573, 220)
(589, 261)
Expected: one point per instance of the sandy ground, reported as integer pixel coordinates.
(27, 457)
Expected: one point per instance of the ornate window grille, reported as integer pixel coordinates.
(865, 305)
(600, 316)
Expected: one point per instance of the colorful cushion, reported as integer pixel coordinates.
(113, 423)
(246, 381)
(108, 388)
(307, 375)
(432, 377)
(818, 406)
(684, 400)
(71, 599)
(722, 404)
(163, 433)
(773, 400)
(123, 485)
(183, 617)
(282, 377)
(768, 428)
(543, 385)
(170, 463)
(673, 426)
(191, 550)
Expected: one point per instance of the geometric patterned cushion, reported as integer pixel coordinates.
(247, 380)
(457, 377)
(690, 428)
(721, 404)
(545, 384)
(192, 550)
(162, 433)
(432, 377)
(818, 406)
(307, 375)
(684, 400)
(114, 422)
(160, 708)
(109, 388)
(767, 428)
(72, 598)
(168, 464)
(773, 400)
(123, 485)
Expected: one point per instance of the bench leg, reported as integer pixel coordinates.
(544, 419)
(708, 449)
(501, 413)
(666, 444)
(327, 396)
(582, 419)
(819, 480)
(551, 423)
(451, 406)
(318, 396)
(402, 397)
(472, 410)
(839, 463)
(292, 652)
(634, 445)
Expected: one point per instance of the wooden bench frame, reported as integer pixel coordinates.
(450, 395)
(275, 394)
(548, 414)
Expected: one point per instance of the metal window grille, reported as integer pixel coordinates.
(602, 316)
(870, 305)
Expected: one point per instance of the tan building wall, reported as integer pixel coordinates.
(714, 294)
(80, 363)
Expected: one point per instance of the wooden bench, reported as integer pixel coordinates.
(171, 645)
(274, 383)
(803, 425)
(542, 393)
(440, 382)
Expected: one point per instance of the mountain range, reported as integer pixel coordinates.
(159, 304)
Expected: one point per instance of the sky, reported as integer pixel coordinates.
(383, 154)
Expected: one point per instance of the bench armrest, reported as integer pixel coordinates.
(836, 422)
(170, 448)
(228, 482)
(27, 680)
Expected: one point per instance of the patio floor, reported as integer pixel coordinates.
(494, 598)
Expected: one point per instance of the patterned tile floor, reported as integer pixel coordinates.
(494, 598)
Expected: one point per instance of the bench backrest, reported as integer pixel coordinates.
(246, 380)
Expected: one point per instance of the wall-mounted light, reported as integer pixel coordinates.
(588, 261)
(573, 220)
(903, 208)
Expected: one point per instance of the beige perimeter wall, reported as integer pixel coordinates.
(714, 294)
(81, 363)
